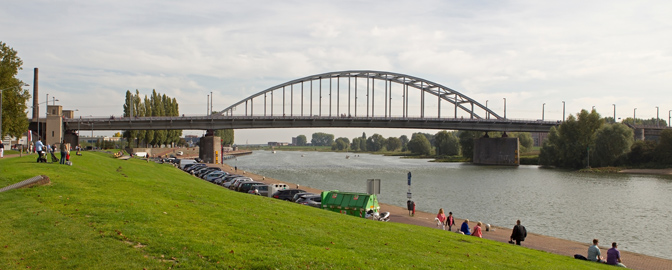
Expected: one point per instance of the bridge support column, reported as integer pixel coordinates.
(496, 151)
(210, 149)
(71, 137)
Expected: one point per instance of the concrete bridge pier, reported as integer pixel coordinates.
(496, 151)
(210, 149)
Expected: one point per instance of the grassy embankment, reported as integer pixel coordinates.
(115, 214)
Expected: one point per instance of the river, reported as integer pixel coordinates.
(633, 210)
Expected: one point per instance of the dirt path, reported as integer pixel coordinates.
(534, 241)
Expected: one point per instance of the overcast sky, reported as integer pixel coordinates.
(586, 53)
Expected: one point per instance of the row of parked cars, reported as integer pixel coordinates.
(245, 184)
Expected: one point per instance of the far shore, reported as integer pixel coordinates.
(648, 171)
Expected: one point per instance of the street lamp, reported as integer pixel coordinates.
(669, 117)
(563, 111)
(657, 116)
(504, 108)
(18, 86)
(634, 116)
(543, 109)
(487, 114)
(614, 112)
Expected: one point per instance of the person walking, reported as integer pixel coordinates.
(2, 149)
(441, 219)
(39, 148)
(450, 221)
(518, 233)
(614, 256)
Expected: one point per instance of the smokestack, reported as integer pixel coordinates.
(36, 101)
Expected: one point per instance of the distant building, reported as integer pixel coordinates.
(192, 140)
(539, 138)
(278, 143)
(295, 141)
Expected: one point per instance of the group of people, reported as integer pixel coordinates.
(518, 233)
(41, 150)
(613, 255)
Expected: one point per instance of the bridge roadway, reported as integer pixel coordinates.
(214, 122)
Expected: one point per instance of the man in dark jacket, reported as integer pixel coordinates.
(519, 233)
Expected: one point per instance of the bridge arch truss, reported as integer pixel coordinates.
(349, 91)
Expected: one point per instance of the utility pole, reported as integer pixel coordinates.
(563, 111)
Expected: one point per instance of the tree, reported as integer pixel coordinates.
(447, 144)
(663, 152)
(322, 139)
(301, 140)
(375, 143)
(467, 142)
(612, 142)
(226, 135)
(14, 97)
(642, 152)
(525, 140)
(340, 144)
(567, 146)
(404, 142)
(419, 145)
(392, 144)
(354, 146)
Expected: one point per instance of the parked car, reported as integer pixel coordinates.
(207, 171)
(245, 187)
(238, 182)
(214, 175)
(287, 194)
(298, 195)
(179, 153)
(230, 185)
(311, 200)
(262, 189)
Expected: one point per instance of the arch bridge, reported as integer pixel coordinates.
(346, 99)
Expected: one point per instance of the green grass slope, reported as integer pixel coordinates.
(105, 213)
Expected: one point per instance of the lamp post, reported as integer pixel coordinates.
(634, 116)
(487, 114)
(669, 117)
(657, 116)
(563, 111)
(18, 86)
(543, 109)
(504, 108)
(614, 112)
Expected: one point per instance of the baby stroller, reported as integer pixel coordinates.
(53, 157)
(41, 157)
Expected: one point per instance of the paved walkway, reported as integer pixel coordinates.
(534, 241)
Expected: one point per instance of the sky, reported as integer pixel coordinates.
(534, 54)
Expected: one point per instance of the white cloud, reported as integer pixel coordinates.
(588, 54)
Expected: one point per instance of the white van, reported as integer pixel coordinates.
(184, 162)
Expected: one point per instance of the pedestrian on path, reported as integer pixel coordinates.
(2, 149)
(614, 256)
(441, 219)
(519, 233)
(450, 221)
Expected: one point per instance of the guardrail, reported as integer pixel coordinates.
(37, 180)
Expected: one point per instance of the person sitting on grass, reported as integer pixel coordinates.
(477, 230)
(594, 253)
(614, 256)
(465, 227)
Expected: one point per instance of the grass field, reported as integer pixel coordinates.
(104, 213)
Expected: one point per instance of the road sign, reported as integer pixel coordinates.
(409, 178)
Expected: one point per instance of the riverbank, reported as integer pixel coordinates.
(534, 241)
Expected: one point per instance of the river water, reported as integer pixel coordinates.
(633, 210)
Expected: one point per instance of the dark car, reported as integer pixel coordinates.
(299, 195)
(287, 194)
(245, 187)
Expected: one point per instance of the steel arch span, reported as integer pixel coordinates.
(346, 104)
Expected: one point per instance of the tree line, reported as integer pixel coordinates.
(589, 140)
(154, 105)
(441, 144)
